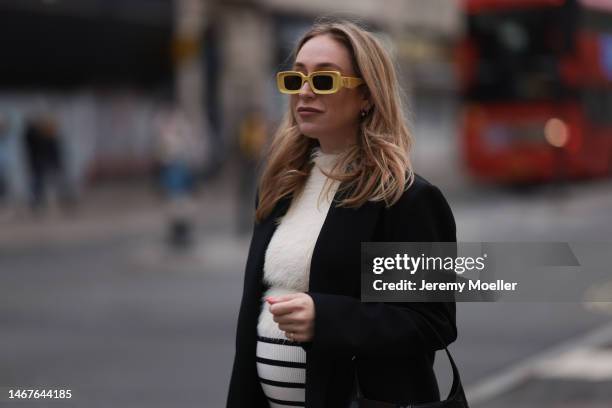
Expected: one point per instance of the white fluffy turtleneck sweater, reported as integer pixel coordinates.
(287, 259)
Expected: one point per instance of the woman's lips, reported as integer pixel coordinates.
(308, 112)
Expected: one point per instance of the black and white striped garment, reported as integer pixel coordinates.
(281, 366)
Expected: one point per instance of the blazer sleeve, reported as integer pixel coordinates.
(244, 388)
(345, 325)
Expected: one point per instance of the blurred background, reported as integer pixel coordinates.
(130, 134)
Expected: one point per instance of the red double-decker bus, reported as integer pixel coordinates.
(536, 78)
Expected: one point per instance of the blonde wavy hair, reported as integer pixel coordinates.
(378, 166)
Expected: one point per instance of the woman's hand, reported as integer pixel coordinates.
(294, 314)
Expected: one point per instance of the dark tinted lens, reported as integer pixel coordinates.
(293, 82)
(323, 82)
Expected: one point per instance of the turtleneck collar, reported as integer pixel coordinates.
(324, 160)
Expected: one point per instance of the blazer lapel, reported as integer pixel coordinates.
(262, 235)
(334, 268)
(338, 247)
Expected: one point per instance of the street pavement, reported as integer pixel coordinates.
(98, 303)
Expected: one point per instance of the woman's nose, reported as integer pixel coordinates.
(306, 90)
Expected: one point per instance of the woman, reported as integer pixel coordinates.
(338, 174)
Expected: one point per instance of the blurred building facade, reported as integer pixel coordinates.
(104, 68)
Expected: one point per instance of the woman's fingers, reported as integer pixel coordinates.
(285, 307)
(300, 337)
(295, 317)
(281, 298)
(291, 327)
(299, 333)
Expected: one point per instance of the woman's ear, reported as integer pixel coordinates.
(366, 106)
(366, 103)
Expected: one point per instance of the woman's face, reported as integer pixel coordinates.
(332, 119)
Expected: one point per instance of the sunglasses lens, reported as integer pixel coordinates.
(323, 82)
(292, 82)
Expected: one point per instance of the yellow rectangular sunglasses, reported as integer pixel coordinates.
(321, 82)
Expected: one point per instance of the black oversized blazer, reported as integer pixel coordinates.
(388, 343)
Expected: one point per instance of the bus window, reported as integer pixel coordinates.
(518, 53)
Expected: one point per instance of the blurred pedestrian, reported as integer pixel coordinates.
(252, 140)
(43, 148)
(175, 150)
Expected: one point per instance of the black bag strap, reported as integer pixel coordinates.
(456, 391)
(456, 386)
